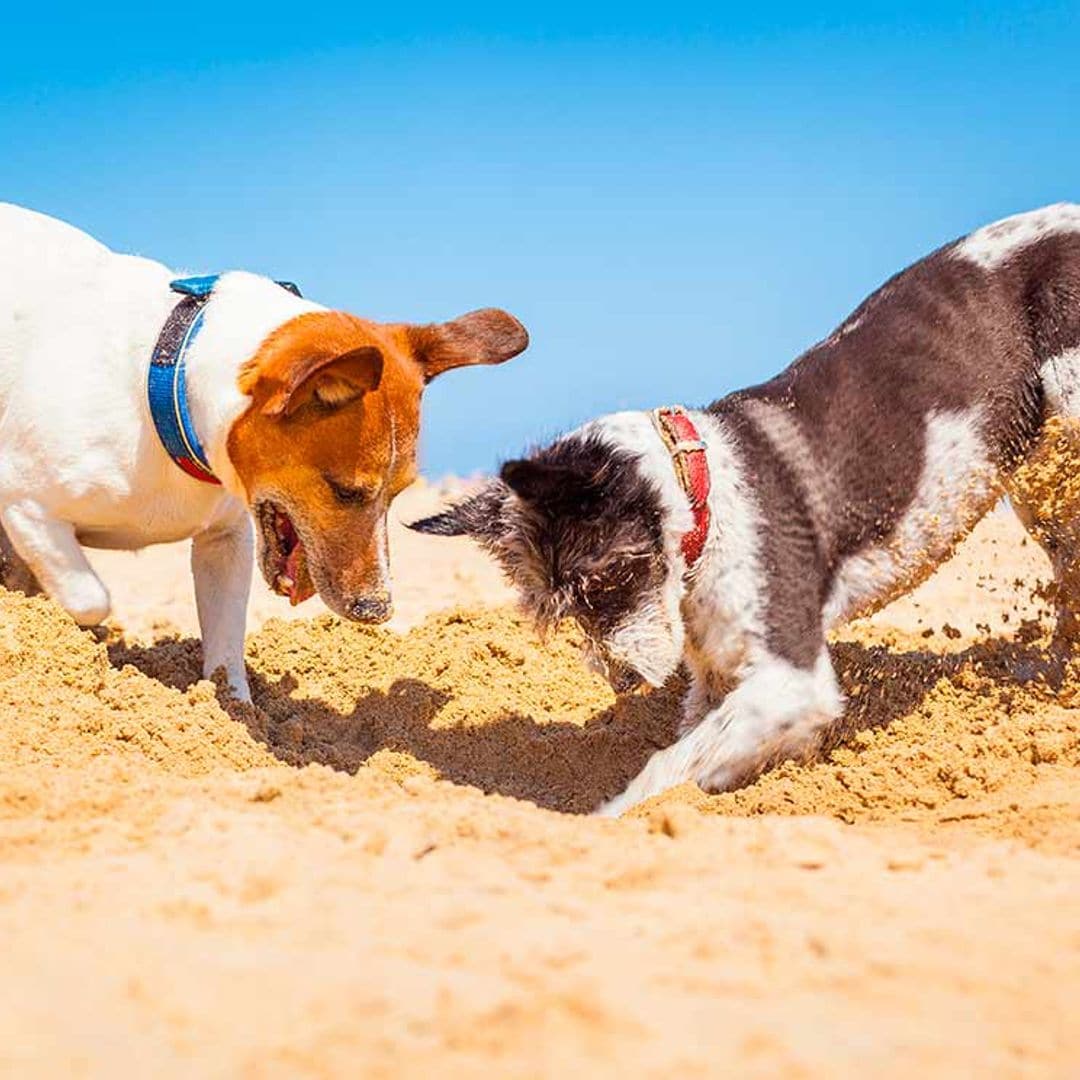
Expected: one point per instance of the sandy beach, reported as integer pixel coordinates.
(386, 867)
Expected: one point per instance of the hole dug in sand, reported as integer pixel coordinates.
(480, 701)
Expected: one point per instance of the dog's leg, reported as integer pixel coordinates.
(696, 704)
(52, 552)
(1061, 542)
(777, 710)
(707, 688)
(222, 560)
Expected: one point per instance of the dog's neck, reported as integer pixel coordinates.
(635, 433)
(727, 576)
(243, 310)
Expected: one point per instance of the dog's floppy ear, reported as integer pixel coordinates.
(488, 336)
(482, 516)
(332, 380)
(327, 356)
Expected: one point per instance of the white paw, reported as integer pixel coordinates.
(236, 681)
(241, 692)
(86, 601)
(613, 808)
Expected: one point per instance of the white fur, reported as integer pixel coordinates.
(80, 462)
(725, 609)
(776, 708)
(649, 640)
(1061, 383)
(939, 515)
(995, 244)
(653, 637)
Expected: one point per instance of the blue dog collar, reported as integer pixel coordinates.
(166, 384)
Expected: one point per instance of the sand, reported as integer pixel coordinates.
(382, 869)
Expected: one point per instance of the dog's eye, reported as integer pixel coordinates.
(347, 494)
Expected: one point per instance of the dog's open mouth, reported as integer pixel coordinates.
(285, 564)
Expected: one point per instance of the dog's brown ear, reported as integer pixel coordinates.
(331, 380)
(488, 336)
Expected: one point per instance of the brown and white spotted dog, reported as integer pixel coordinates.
(833, 488)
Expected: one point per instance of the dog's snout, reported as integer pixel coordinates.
(371, 609)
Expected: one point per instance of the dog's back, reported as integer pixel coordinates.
(39, 256)
(891, 437)
(72, 313)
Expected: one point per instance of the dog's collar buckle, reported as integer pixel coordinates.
(691, 463)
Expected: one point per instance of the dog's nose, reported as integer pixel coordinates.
(371, 609)
(623, 679)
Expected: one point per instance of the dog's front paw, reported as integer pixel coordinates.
(613, 808)
(85, 599)
(655, 778)
(241, 693)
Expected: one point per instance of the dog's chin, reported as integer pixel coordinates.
(653, 660)
(633, 676)
(653, 675)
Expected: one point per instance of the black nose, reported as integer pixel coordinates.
(623, 678)
(371, 609)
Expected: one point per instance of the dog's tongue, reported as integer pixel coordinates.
(296, 570)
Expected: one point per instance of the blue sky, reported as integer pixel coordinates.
(675, 201)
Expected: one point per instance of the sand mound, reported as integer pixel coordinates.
(295, 889)
(936, 738)
(477, 697)
(63, 702)
(475, 694)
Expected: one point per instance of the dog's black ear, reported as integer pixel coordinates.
(554, 488)
(481, 516)
(537, 481)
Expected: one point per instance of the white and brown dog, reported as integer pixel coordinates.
(811, 499)
(139, 409)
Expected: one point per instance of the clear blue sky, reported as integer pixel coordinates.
(675, 200)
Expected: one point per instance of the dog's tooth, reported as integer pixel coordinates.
(285, 582)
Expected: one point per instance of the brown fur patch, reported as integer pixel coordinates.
(301, 443)
(330, 437)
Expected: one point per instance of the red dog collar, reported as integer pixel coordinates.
(691, 463)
